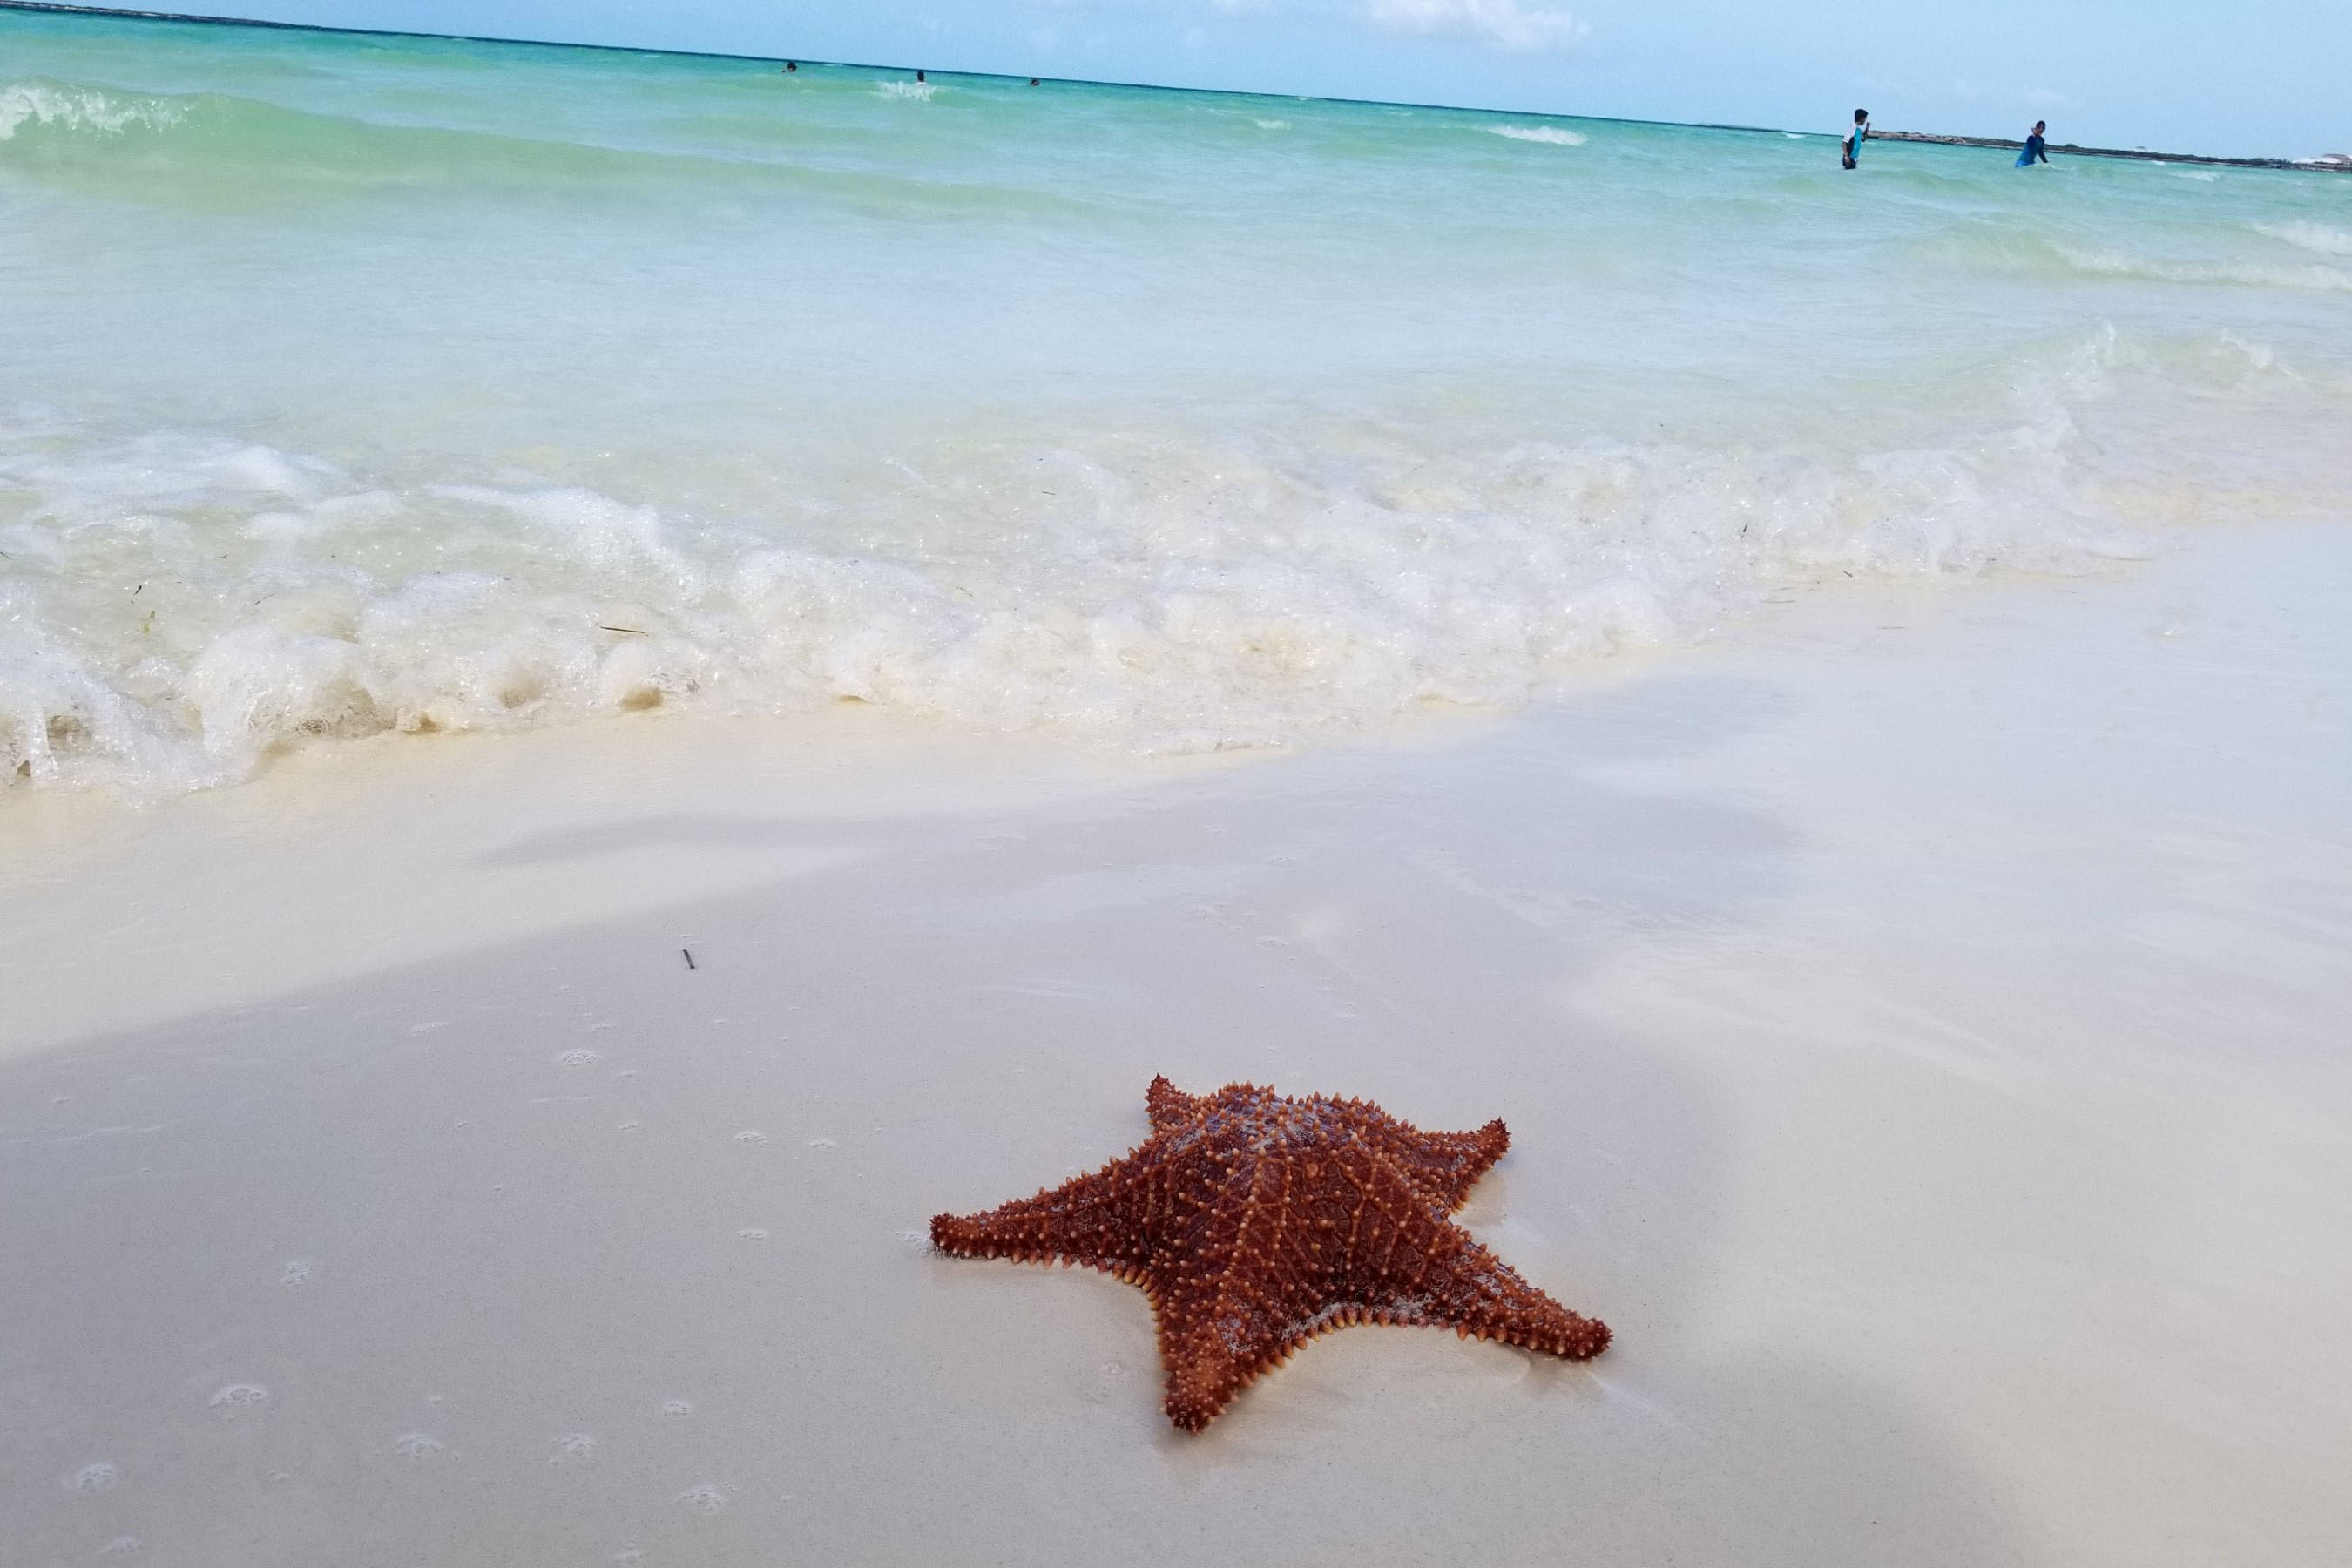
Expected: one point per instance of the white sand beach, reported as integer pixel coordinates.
(1920, 1016)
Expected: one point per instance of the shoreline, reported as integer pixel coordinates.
(1919, 1018)
(2324, 164)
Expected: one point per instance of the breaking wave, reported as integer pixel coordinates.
(173, 607)
(1551, 134)
(2315, 236)
(2249, 274)
(85, 109)
(210, 149)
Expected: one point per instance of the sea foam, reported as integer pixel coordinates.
(77, 107)
(2316, 237)
(2247, 274)
(1551, 134)
(176, 606)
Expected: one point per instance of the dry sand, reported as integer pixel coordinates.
(1921, 1021)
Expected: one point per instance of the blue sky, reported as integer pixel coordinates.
(2255, 77)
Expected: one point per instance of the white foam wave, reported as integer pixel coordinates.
(1274, 125)
(916, 90)
(1551, 135)
(175, 607)
(2251, 274)
(79, 108)
(2315, 236)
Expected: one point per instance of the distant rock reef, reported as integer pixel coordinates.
(2330, 162)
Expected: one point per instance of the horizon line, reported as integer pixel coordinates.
(61, 8)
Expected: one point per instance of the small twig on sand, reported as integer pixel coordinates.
(689, 956)
(631, 630)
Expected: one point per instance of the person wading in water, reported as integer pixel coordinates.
(1855, 138)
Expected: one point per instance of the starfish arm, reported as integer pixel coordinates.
(1223, 1313)
(1211, 1356)
(1471, 1291)
(1223, 1319)
(1170, 1106)
(1090, 1219)
(1259, 1286)
(1446, 1165)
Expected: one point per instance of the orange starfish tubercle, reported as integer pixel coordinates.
(1256, 1221)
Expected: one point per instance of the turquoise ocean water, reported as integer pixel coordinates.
(352, 383)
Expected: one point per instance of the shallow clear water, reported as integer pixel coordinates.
(349, 383)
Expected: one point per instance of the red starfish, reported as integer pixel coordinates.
(1255, 1221)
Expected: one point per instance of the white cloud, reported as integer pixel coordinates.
(1503, 22)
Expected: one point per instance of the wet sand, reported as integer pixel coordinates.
(1920, 1018)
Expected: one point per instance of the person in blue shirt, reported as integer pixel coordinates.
(2036, 149)
(1854, 139)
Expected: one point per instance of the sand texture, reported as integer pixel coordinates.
(1921, 1021)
